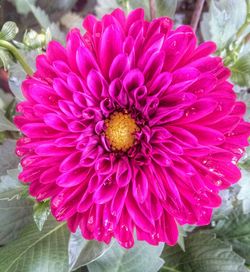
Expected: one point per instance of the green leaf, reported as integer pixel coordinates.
(8, 159)
(166, 8)
(5, 124)
(15, 213)
(243, 194)
(204, 252)
(44, 21)
(223, 20)
(34, 251)
(241, 71)
(236, 231)
(141, 257)
(5, 58)
(21, 6)
(82, 252)
(8, 31)
(41, 213)
(17, 74)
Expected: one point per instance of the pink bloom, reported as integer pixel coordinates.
(132, 126)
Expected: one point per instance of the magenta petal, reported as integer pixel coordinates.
(168, 103)
(85, 61)
(133, 80)
(119, 67)
(71, 162)
(124, 173)
(50, 175)
(105, 192)
(140, 185)
(56, 122)
(111, 45)
(206, 135)
(136, 214)
(72, 178)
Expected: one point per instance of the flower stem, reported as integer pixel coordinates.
(246, 23)
(152, 9)
(13, 50)
(197, 14)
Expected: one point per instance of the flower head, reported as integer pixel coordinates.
(130, 127)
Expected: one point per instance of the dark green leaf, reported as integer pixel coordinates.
(41, 213)
(141, 257)
(15, 212)
(241, 71)
(8, 31)
(204, 252)
(82, 252)
(5, 58)
(236, 231)
(44, 251)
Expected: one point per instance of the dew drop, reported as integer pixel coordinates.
(173, 44)
(218, 182)
(127, 244)
(108, 182)
(19, 152)
(199, 91)
(19, 108)
(155, 236)
(58, 200)
(91, 220)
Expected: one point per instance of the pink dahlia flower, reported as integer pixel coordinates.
(130, 127)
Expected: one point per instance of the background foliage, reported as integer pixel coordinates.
(30, 239)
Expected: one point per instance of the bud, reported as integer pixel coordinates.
(34, 40)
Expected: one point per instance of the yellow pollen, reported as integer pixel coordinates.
(120, 132)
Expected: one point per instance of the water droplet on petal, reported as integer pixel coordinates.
(19, 152)
(108, 182)
(218, 182)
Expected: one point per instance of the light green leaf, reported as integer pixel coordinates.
(243, 194)
(5, 58)
(15, 212)
(236, 231)
(5, 124)
(223, 20)
(36, 251)
(204, 252)
(166, 8)
(21, 6)
(41, 213)
(82, 252)
(8, 159)
(17, 74)
(141, 257)
(44, 21)
(241, 71)
(8, 31)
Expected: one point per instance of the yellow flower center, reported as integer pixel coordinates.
(120, 132)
